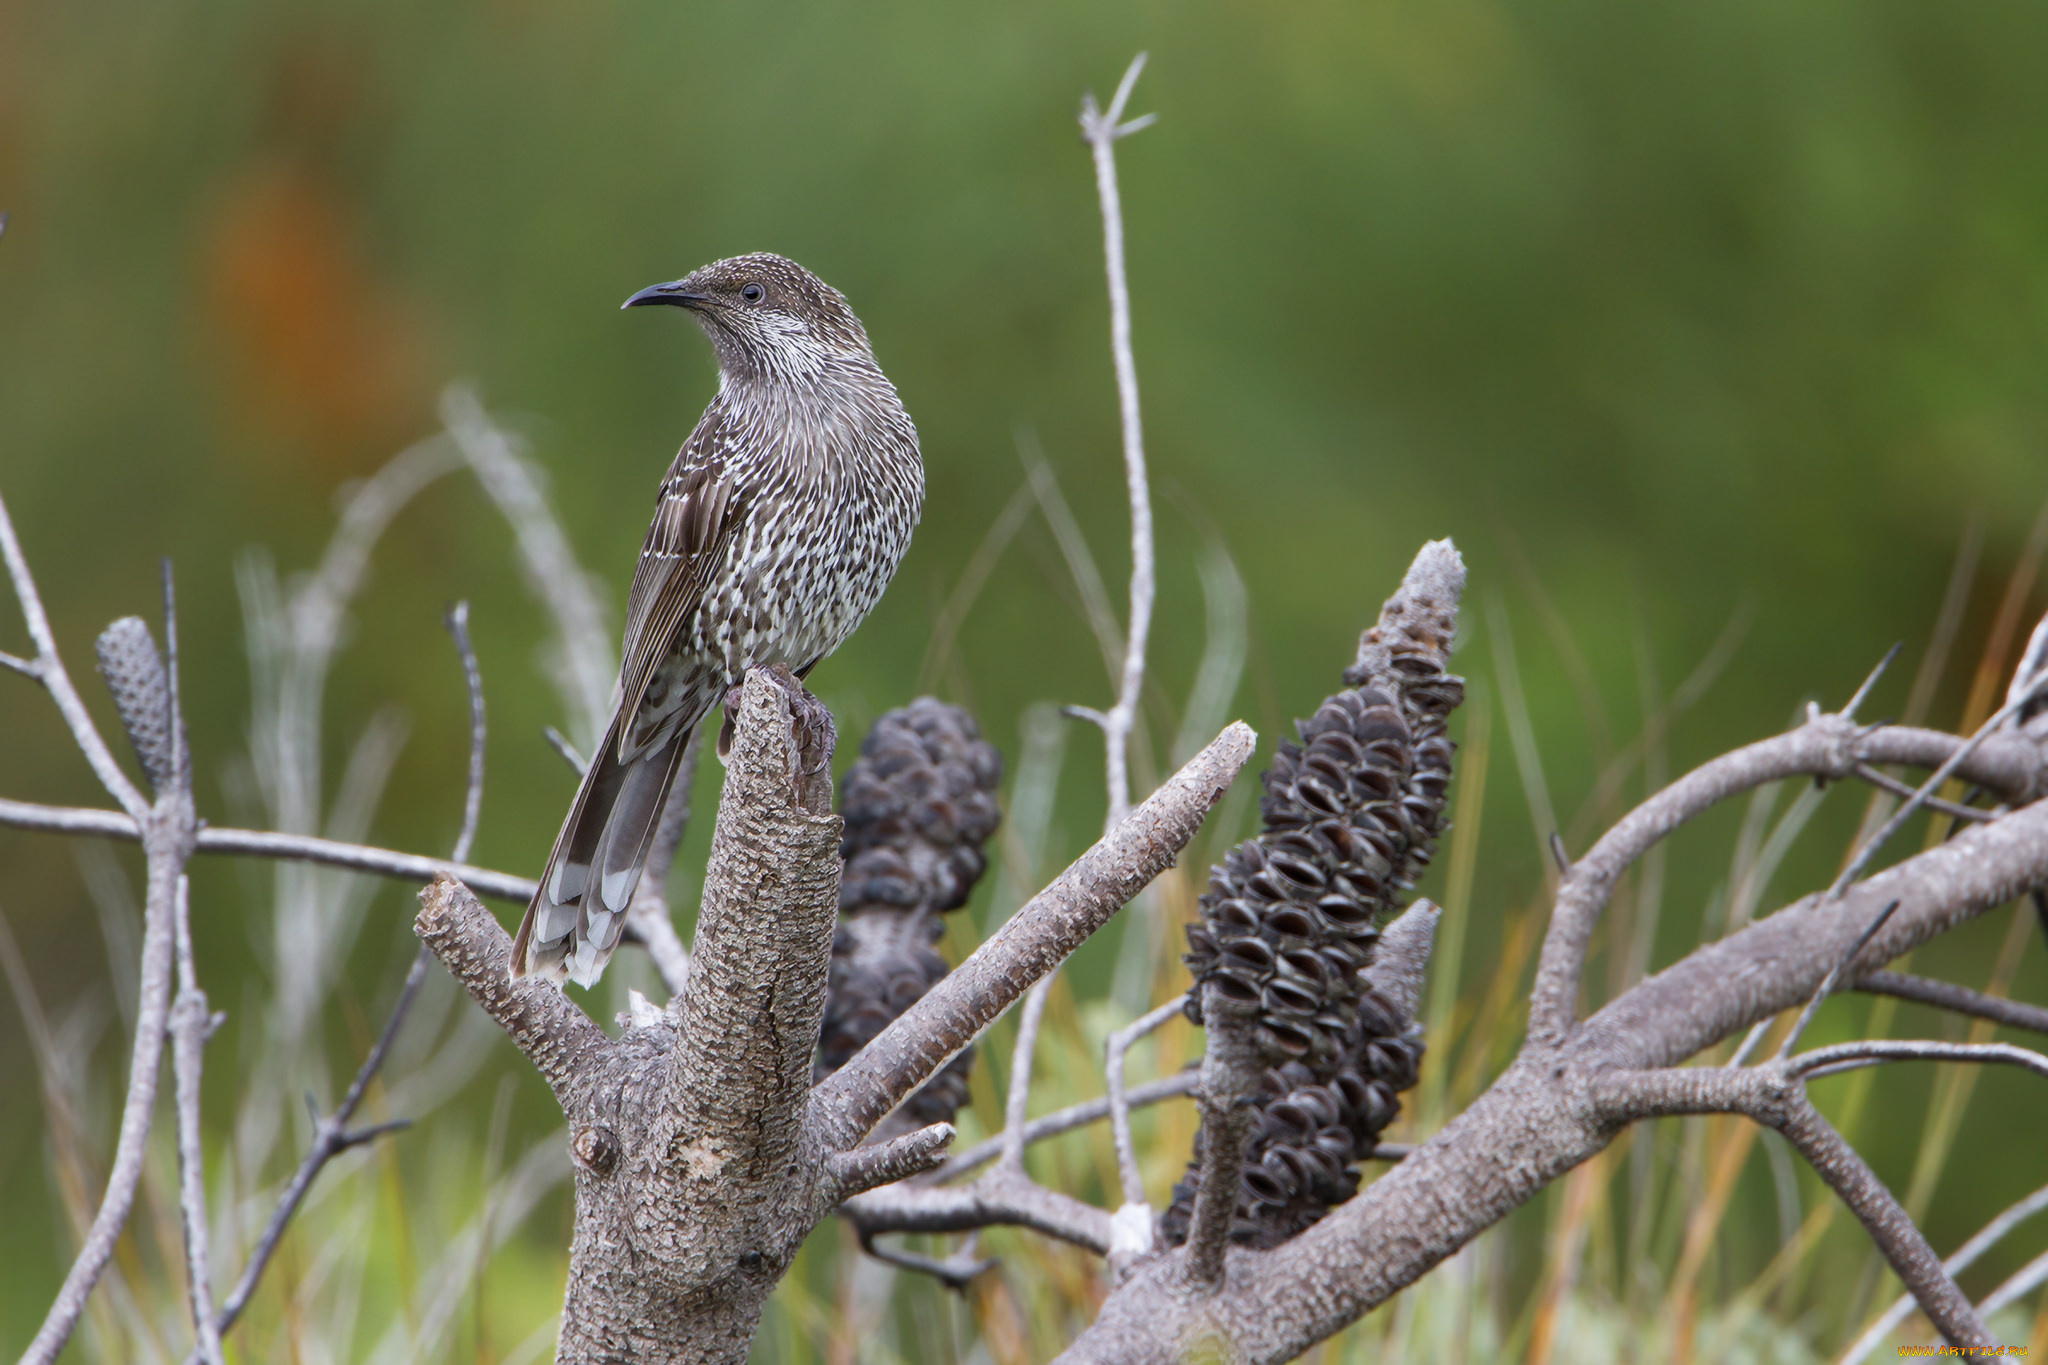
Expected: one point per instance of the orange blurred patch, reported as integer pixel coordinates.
(324, 354)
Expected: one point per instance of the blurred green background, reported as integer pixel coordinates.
(1673, 316)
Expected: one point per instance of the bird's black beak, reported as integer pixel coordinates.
(671, 293)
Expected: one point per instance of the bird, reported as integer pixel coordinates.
(775, 532)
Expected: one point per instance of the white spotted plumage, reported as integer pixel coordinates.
(775, 532)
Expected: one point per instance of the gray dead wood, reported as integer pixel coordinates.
(1556, 1106)
(703, 1154)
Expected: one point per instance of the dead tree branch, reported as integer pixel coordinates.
(1102, 128)
(1960, 999)
(147, 704)
(1774, 1095)
(700, 1143)
(1556, 1105)
(262, 843)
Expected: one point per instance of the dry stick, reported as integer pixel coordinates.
(166, 830)
(1889, 1225)
(263, 843)
(1066, 1120)
(332, 1135)
(151, 1017)
(1828, 1061)
(48, 669)
(1102, 129)
(1533, 1125)
(1119, 1102)
(330, 1140)
(1943, 995)
(1179, 1084)
(2021, 694)
(192, 1023)
(956, 1271)
(1826, 746)
(472, 676)
(1773, 1094)
(1017, 1104)
(2033, 660)
(559, 742)
(1870, 681)
(1954, 811)
(1230, 1075)
(999, 1198)
(1827, 983)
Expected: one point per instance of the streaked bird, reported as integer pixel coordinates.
(775, 532)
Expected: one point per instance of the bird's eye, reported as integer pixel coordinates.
(752, 293)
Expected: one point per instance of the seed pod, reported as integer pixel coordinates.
(1351, 813)
(142, 695)
(919, 803)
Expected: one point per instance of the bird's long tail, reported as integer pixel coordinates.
(579, 911)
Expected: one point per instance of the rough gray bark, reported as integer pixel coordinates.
(703, 1154)
(1576, 1083)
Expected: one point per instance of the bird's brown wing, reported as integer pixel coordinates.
(691, 535)
(572, 924)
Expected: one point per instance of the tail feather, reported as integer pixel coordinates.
(576, 916)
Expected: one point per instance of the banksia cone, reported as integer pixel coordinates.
(142, 696)
(1351, 814)
(919, 803)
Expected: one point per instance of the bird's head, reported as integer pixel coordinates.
(767, 316)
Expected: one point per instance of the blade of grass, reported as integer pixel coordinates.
(1457, 912)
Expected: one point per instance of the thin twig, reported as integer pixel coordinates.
(2022, 693)
(559, 742)
(136, 1113)
(1827, 983)
(1751, 1041)
(332, 1135)
(263, 843)
(1000, 1197)
(955, 1272)
(1772, 1094)
(1068, 1119)
(1828, 1061)
(49, 670)
(1119, 1100)
(1102, 128)
(331, 1138)
(2033, 662)
(191, 1022)
(585, 664)
(473, 795)
(1017, 1104)
(1965, 1256)
(1943, 995)
(1862, 693)
(1951, 809)
(166, 829)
